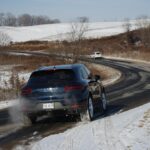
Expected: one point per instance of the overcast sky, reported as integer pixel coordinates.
(67, 10)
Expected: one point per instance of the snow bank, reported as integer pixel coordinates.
(6, 75)
(127, 130)
(8, 103)
(60, 31)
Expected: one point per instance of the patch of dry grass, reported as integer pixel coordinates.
(145, 121)
(106, 73)
(28, 62)
(99, 71)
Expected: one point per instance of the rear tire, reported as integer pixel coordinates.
(32, 119)
(103, 102)
(29, 120)
(88, 115)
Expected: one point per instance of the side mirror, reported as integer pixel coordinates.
(97, 77)
(90, 77)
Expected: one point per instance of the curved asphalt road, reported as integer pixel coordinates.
(134, 87)
(132, 90)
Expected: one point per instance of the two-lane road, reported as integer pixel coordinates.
(134, 87)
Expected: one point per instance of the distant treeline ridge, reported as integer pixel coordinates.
(9, 19)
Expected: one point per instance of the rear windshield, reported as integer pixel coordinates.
(50, 76)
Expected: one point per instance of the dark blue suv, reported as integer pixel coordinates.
(63, 90)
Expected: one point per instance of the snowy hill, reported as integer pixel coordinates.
(122, 131)
(128, 130)
(60, 31)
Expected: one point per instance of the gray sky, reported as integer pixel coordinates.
(67, 10)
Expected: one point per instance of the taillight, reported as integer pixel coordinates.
(74, 87)
(26, 91)
(75, 106)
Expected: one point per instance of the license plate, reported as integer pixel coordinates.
(48, 105)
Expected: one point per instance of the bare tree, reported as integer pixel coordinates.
(55, 21)
(143, 24)
(2, 18)
(78, 29)
(25, 20)
(4, 39)
(83, 19)
(131, 38)
(127, 25)
(10, 19)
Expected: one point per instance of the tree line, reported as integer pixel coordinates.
(9, 19)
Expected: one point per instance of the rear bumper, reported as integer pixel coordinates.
(58, 110)
(53, 113)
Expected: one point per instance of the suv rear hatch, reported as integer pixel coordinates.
(52, 86)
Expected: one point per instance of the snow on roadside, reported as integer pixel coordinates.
(6, 75)
(127, 130)
(8, 103)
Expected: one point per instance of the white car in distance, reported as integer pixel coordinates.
(96, 55)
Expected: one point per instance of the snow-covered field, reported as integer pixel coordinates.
(8, 103)
(60, 31)
(129, 130)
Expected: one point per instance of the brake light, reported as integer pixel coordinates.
(74, 87)
(26, 91)
(75, 106)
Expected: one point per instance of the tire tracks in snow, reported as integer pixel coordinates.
(112, 136)
(98, 135)
(69, 142)
(106, 136)
(75, 139)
